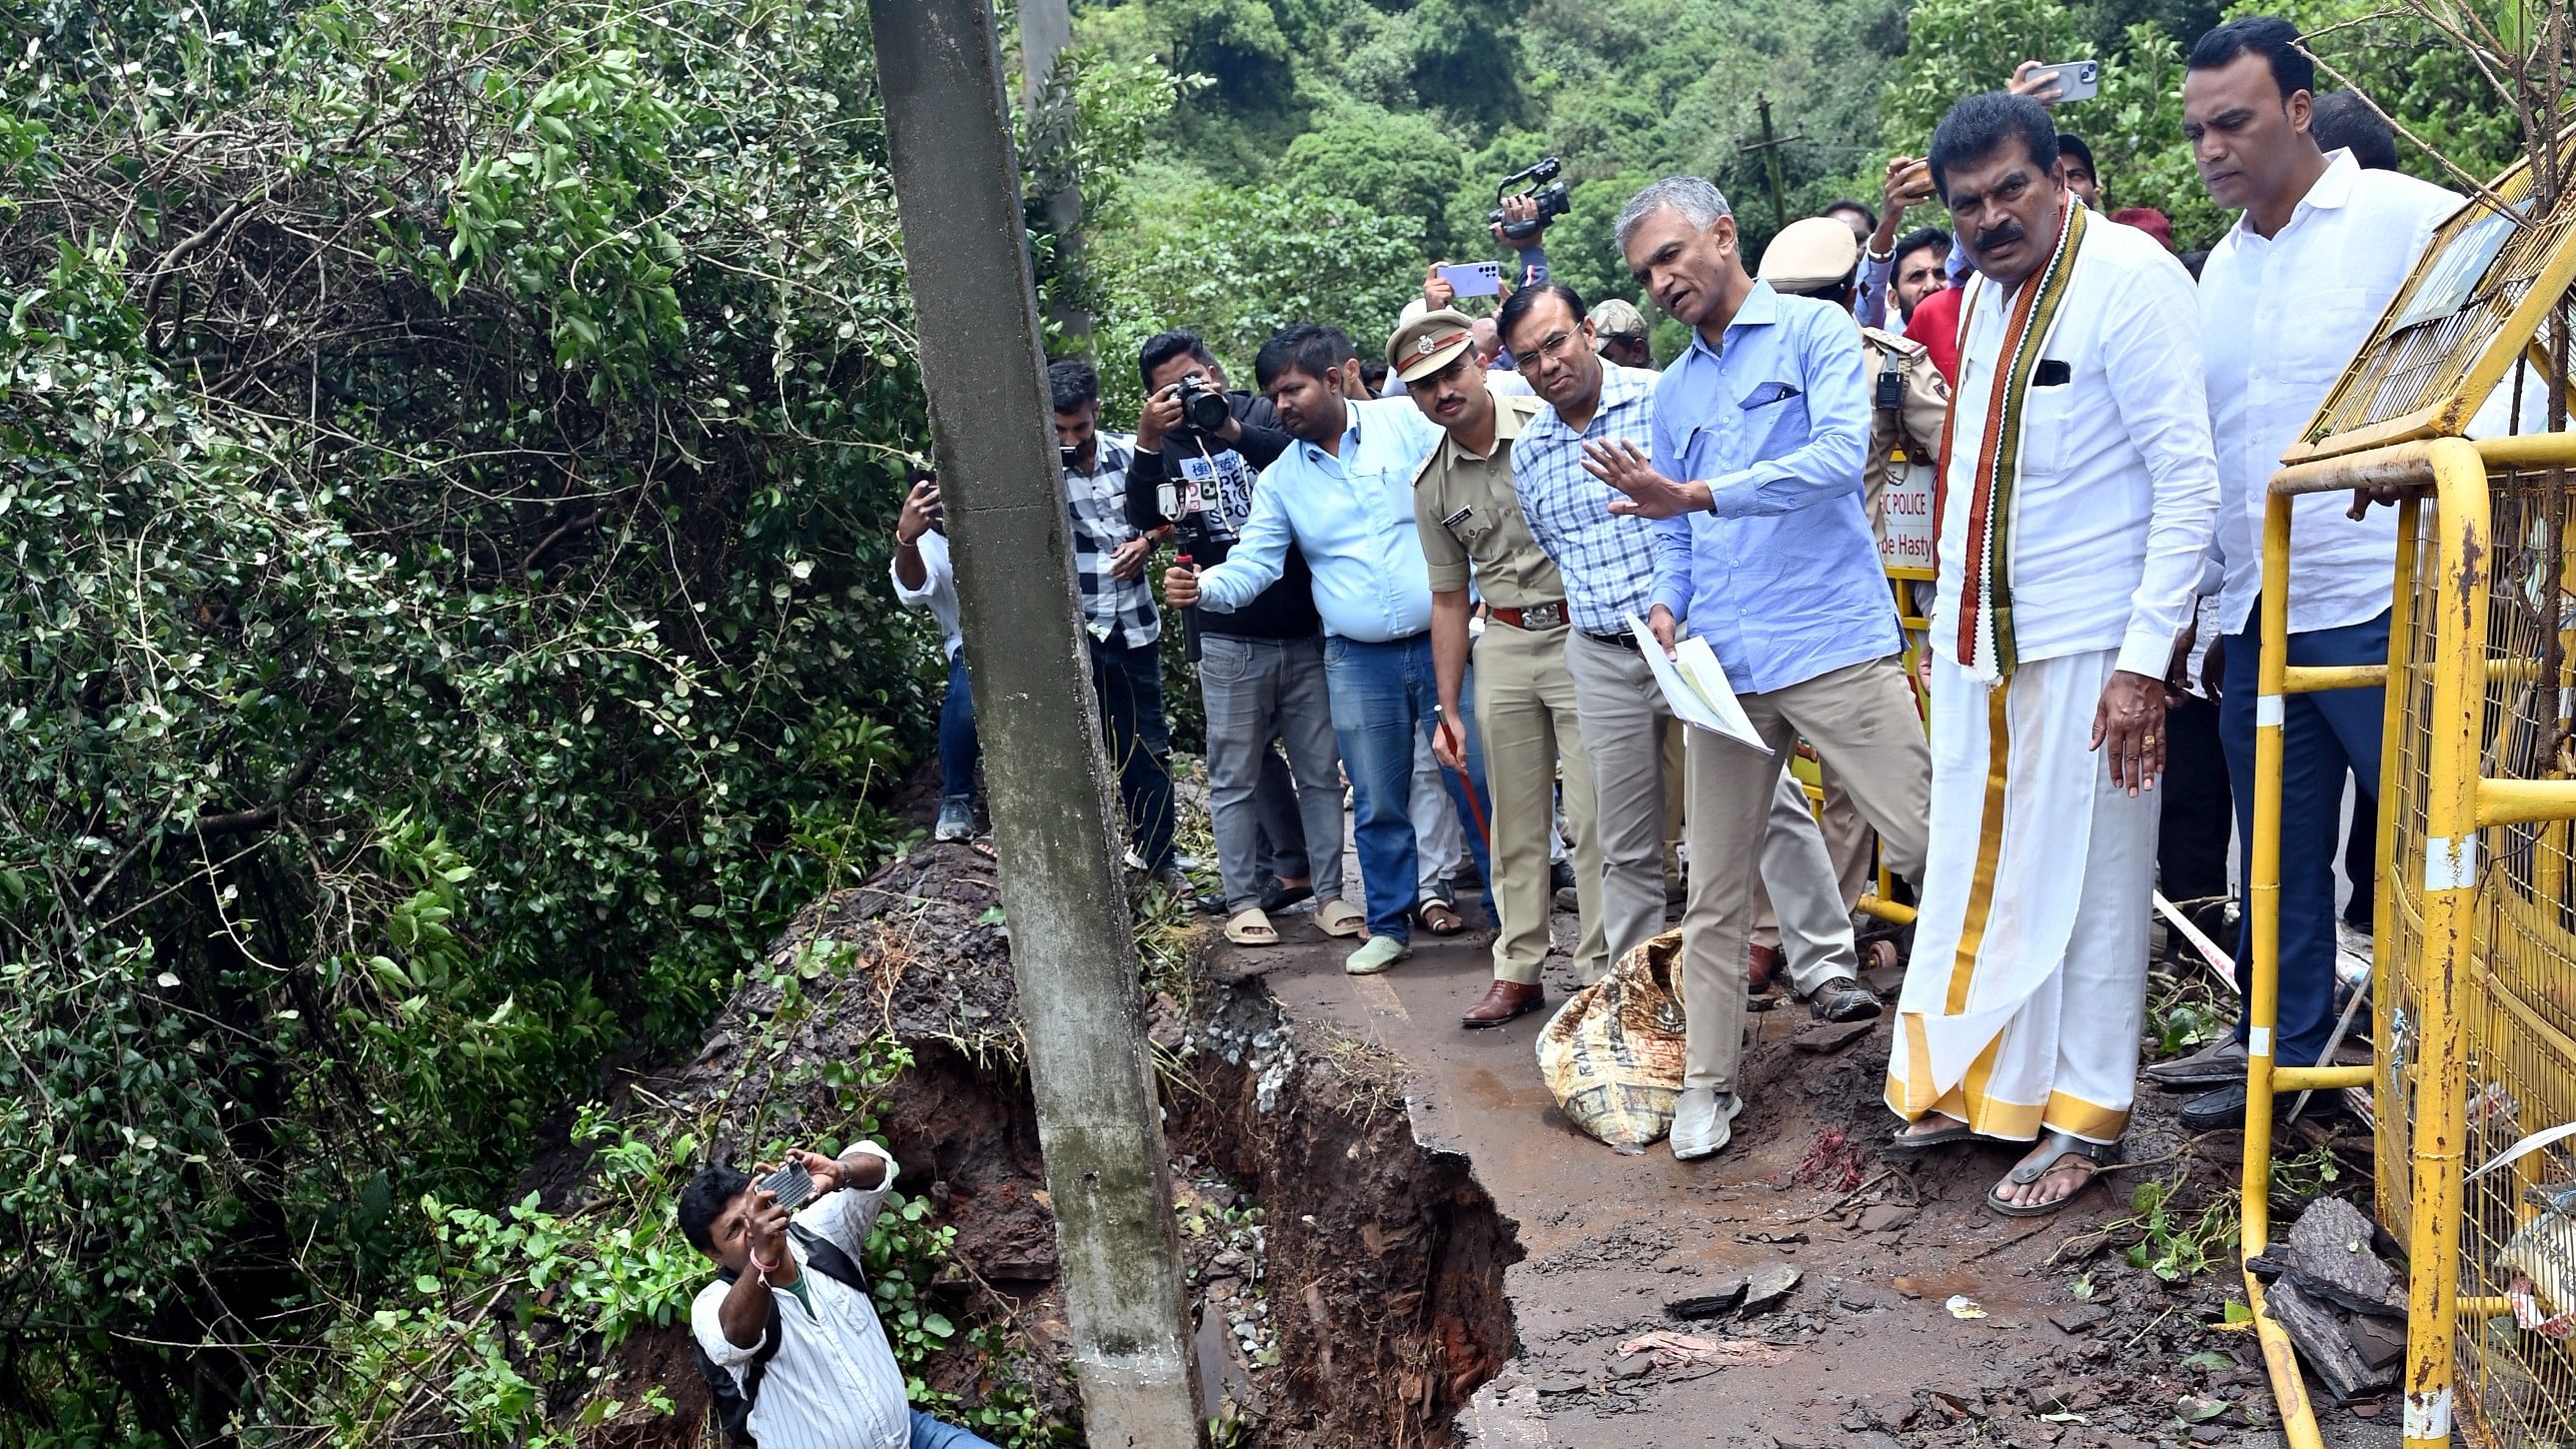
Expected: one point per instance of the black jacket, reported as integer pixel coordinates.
(1178, 484)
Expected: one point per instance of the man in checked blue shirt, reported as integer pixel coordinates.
(1343, 495)
(1763, 550)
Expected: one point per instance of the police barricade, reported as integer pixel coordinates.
(2473, 1070)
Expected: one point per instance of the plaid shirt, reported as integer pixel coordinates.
(1116, 613)
(1608, 562)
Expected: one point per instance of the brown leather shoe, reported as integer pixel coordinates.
(1503, 1001)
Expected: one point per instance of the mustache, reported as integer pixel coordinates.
(1996, 236)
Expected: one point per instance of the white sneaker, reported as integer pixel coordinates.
(1704, 1122)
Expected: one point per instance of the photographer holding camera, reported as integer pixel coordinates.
(788, 1338)
(1199, 446)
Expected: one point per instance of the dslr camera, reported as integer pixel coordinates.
(1203, 408)
(1543, 188)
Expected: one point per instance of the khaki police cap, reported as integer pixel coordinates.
(1617, 317)
(1817, 252)
(1425, 344)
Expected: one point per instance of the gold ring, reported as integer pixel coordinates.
(2149, 740)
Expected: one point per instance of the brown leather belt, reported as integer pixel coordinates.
(1550, 615)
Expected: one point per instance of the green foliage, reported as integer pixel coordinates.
(452, 451)
(1396, 165)
(2176, 1243)
(1236, 265)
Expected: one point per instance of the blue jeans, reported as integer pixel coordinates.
(958, 747)
(1129, 683)
(1383, 696)
(929, 1433)
(2322, 737)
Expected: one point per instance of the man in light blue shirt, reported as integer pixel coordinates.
(1763, 549)
(1343, 496)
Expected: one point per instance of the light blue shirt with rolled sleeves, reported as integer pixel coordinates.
(1352, 516)
(1781, 576)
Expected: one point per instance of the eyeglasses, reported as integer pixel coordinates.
(1557, 345)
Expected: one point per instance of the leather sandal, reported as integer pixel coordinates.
(2050, 1156)
(1250, 927)
(1905, 1141)
(1437, 916)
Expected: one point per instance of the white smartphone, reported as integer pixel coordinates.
(1474, 279)
(2077, 80)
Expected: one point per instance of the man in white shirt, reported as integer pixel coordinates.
(2287, 297)
(923, 579)
(2074, 511)
(802, 1343)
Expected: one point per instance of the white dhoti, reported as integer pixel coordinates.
(2022, 1008)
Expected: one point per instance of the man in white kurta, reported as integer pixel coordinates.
(2077, 496)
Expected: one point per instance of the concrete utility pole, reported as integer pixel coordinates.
(1046, 28)
(1073, 954)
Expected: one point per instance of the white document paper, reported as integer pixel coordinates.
(1695, 686)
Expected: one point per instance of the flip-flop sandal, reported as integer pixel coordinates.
(2061, 1146)
(1904, 1141)
(1447, 923)
(1338, 917)
(1282, 897)
(1249, 927)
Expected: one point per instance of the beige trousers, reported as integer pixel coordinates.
(1525, 712)
(1861, 717)
(1846, 837)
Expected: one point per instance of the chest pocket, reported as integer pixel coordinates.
(1474, 530)
(1771, 419)
(2049, 419)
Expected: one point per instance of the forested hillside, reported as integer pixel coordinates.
(1326, 150)
(449, 458)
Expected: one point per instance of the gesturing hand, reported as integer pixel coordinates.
(2128, 728)
(1649, 494)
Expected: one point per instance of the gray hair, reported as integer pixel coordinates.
(1699, 203)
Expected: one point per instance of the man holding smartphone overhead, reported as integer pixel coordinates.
(924, 579)
(787, 1336)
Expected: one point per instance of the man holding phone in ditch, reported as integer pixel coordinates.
(788, 1338)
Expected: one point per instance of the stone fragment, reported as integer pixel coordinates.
(2322, 1341)
(2329, 1256)
(2079, 1317)
(1886, 1218)
(1768, 1286)
(1631, 1366)
(1831, 1036)
(1721, 1298)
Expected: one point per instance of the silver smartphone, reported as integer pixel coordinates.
(791, 1185)
(1474, 279)
(2077, 80)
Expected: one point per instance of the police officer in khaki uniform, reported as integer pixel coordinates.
(1817, 258)
(1470, 523)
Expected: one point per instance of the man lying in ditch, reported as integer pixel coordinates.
(788, 1341)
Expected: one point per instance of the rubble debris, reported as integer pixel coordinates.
(2318, 1333)
(2329, 1256)
(1724, 1299)
(1886, 1218)
(2079, 1318)
(1831, 1036)
(1768, 1286)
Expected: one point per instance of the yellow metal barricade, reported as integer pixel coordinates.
(2474, 979)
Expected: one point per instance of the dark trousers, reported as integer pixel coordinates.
(1129, 682)
(2324, 738)
(958, 747)
(2191, 846)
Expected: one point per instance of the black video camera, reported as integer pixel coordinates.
(1204, 408)
(1544, 189)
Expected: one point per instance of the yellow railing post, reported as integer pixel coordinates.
(2450, 867)
(2263, 873)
